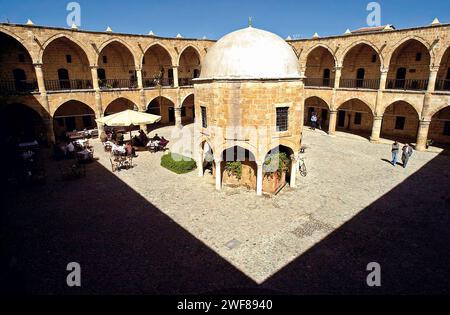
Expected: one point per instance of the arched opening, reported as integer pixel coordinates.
(73, 116)
(321, 109)
(319, 65)
(189, 67)
(361, 68)
(238, 168)
(443, 77)
(207, 158)
(163, 107)
(119, 105)
(277, 168)
(118, 68)
(21, 124)
(356, 117)
(409, 68)
(439, 131)
(17, 73)
(157, 67)
(400, 122)
(66, 66)
(188, 110)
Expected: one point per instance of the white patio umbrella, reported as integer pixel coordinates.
(128, 118)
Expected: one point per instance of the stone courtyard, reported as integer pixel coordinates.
(147, 230)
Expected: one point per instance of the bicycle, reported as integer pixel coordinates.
(302, 168)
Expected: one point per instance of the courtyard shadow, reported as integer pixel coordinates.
(124, 244)
(406, 231)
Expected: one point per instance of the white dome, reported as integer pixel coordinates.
(250, 53)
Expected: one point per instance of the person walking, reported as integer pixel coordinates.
(407, 152)
(395, 149)
(313, 121)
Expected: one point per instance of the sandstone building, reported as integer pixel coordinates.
(377, 82)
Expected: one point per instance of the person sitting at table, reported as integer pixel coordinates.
(143, 137)
(119, 138)
(156, 137)
(130, 150)
(70, 148)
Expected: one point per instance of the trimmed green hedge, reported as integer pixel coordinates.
(178, 163)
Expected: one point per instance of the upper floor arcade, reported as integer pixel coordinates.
(43, 59)
(415, 59)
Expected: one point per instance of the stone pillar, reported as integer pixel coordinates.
(94, 74)
(139, 79)
(40, 77)
(337, 76)
(48, 123)
(99, 110)
(259, 179)
(175, 76)
(200, 162)
(383, 78)
(422, 135)
(332, 123)
(218, 175)
(293, 170)
(432, 79)
(376, 129)
(178, 123)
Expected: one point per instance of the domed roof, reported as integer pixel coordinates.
(250, 53)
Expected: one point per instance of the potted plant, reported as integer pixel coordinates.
(274, 168)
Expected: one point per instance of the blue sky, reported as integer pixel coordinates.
(215, 18)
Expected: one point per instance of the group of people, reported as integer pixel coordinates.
(407, 152)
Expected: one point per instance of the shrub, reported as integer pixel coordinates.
(178, 163)
(234, 168)
(276, 163)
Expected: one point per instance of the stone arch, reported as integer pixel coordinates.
(443, 77)
(439, 131)
(357, 43)
(417, 107)
(159, 66)
(22, 122)
(120, 104)
(355, 116)
(87, 52)
(186, 47)
(164, 107)
(359, 70)
(73, 115)
(189, 65)
(77, 73)
(319, 70)
(34, 55)
(370, 106)
(320, 107)
(306, 54)
(123, 43)
(397, 45)
(159, 43)
(400, 121)
(188, 109)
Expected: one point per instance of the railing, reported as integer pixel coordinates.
(118, 84)
(58, 85)
(443, 85)
(185, 81)
(12, 87)
(319, 82)
(373, 84)
(416, 85)
(158, 82)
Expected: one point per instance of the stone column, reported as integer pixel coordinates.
(200, 162)
(218, 175)
(337, 76)
(293, 170)
(175, 76)
(178, 123)
(383, 78)
(376, 129)
(432, 79)
(40, 77)
(422, 135)
(332, 123)
(99, 110)
(139, 79)
(48, 123)
(259, 178)
(94, 74)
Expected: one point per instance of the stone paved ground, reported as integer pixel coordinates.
(147, 230)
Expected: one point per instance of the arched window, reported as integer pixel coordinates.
(20, 79)
(400, 78)
(63, 77)
(326, 77)
(360, 74)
